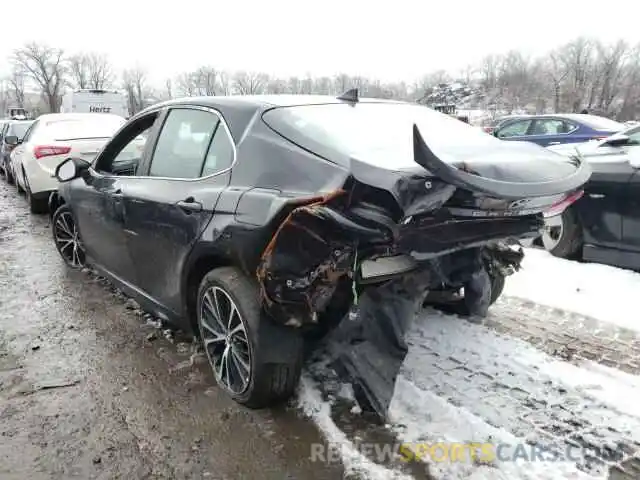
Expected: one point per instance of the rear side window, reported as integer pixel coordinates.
(183, 144)
(18, 129)
(29, 133)
(221, 152)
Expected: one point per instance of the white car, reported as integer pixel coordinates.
(51, 139)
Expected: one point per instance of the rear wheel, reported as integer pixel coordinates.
(67, 238)
(256, 361)
(36, 205)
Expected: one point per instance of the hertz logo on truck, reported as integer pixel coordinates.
(94, 109)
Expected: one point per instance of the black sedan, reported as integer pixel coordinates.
(604, 225)
(255, 221)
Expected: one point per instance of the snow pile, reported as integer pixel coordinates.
(599, 291)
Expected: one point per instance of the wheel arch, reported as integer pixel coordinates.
(198, 265)
(55, 201)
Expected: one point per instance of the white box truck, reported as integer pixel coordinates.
(95, 101)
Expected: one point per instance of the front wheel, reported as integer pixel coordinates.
(256, 361)
(67, 238)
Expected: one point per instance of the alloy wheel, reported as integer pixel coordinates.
(553, 230)
(68, 241)
(225, 340)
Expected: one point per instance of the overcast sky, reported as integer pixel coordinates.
(387, 39)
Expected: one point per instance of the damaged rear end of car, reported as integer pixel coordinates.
(430, 210)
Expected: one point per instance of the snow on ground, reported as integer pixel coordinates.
(464, 382)
(606, 293)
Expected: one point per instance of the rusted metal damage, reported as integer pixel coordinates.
(302, 264)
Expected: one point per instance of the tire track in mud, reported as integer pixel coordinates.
(569, 336)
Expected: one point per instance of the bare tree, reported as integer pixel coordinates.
(134, 82)
(16, 86)
(45, 66)
(250, 83)
(79, 70)
(224, 81)
(101, 73)
(168, 88)
(557, 72)
(206, 80)
(186, 84)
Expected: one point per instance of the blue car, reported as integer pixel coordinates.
(546, 130)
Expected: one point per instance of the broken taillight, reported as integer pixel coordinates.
(559, 207)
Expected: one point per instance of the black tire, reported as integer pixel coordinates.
(447, 303)
(275, 353)
(64, 216)
(570, 243)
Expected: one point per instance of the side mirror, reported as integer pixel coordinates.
(11, 140)
(617, 141)
(70, 169)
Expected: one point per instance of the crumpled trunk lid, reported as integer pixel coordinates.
(513, 170)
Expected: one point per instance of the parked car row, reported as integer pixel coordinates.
(257, 221)
(33, 149)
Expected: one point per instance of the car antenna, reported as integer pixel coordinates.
(350, 95)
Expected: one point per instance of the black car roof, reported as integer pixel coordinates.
(238, 110)
(265, 101)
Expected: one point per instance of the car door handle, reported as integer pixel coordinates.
(554, 143)
(189, 205)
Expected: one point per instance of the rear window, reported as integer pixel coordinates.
(91, 126)
(380, 133)
(601, 123)
(19, 129)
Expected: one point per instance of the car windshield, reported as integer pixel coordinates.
(91, 126)
(601, 123)
(19, 129)
(380, 133)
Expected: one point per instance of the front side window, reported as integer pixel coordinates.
(515, 129)
(123, 154)
(183, 143)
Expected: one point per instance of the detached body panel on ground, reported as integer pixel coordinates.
(257, 221)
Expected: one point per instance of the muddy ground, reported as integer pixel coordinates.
(90, 390)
